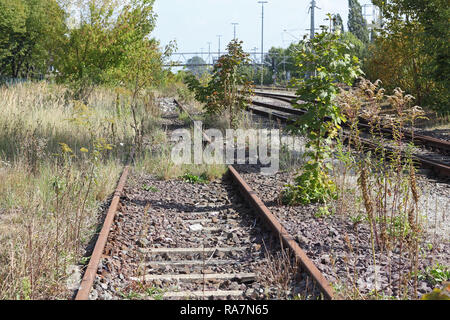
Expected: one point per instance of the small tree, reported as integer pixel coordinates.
(412, 50)
(108, 39)
(324, 62)
(141, 67)
(221, 93)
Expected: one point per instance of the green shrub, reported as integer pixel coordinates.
(312, 186)
(191, 178)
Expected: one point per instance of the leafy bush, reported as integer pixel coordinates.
(436, 275)
(313, 185)
(412, 51)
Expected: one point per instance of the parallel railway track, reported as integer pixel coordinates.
(429, 142)
(438, 163)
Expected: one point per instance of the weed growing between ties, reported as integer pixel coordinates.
(279, 275)
(192, 178)
(160, 165)
(386, 186)
(158, 162)
(142, 291)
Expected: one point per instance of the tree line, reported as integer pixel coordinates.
(80, 42)
(409, 50)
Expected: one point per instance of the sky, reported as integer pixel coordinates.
(194, 23)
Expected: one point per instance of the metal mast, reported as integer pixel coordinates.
(219, 36)
(234, 25)
(209, 52)
(313, 6)
(262, 40)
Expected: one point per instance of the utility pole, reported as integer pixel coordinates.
(313, 6)
(262, 41)
(209, 52)
(255, 59)
(219, 36)
(234, 25)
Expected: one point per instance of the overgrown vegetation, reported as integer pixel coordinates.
(324, 62)
(412, 50)
(161, 166)
(30, 35)
(81, 43)
(386, 187)
(220, 95)
(62, 147)
(60, 159)
(387, 184)
(436, 274)
(57, 164)
(192, 178)
(63, 141)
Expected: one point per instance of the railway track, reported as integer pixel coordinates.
(435, 157)
(422, 140)
(189, 241)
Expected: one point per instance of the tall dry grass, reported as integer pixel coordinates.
(59, 159)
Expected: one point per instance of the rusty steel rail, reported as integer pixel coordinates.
(300, 256)
(277, 96)
(91, 270)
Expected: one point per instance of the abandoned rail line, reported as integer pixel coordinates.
(213, 242)
(217, 243)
